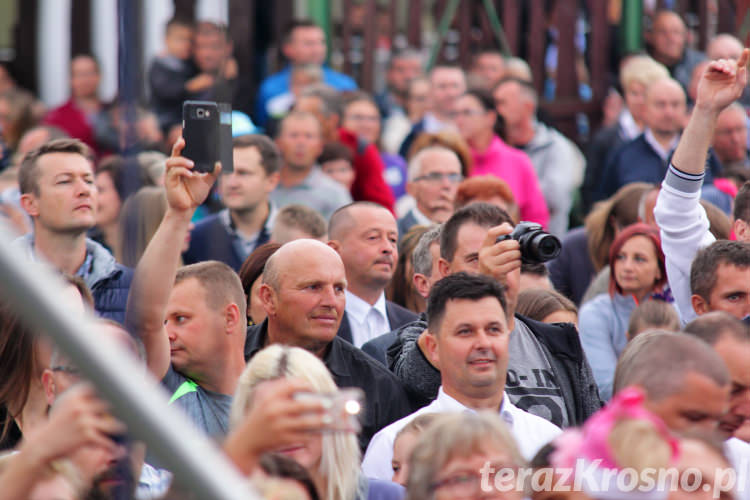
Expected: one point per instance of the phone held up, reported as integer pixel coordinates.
(207, 130)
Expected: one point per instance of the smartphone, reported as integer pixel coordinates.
(225, 137)
(344, 408)
(200, 129)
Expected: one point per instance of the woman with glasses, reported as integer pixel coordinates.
(362, 117)
(477, 121)
(465, 455)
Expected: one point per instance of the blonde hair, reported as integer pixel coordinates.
(639, 445)
(455, 435)
(340, 456)
(642, 69)
(139, 219)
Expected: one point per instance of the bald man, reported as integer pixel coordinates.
(730, 137)
(646, 157)
(303, 294)
(365, 236)
(667, 42)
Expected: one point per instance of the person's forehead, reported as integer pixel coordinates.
(439, 161)
(665, 89)
(731, 116)
(314, 266)
(56, 163)
(488, 308)
(189, 289)
(669, 20)
(507, 89)
(297, 123)
(305, 33)
(369, 215)
(446, 75)
(83, 63)
(361, 106)
(490, 58)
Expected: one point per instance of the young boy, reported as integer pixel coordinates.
(171, 73)
(336, 162)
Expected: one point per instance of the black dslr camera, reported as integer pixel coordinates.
(537, 245)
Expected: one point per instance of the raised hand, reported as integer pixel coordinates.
(722, 83)
(186, 189)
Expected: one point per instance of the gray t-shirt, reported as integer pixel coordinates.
(531, 383)
(208, 410)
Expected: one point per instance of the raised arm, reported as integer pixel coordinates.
(721, 84)
(678, 213)
(155, 273)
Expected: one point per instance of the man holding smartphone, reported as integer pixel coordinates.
(192, 319)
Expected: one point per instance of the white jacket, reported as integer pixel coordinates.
(684, 230)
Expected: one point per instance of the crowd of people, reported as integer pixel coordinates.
(361, 241)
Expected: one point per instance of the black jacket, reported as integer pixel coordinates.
(560, 342)
(386, 399)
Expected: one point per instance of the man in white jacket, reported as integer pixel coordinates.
(720, 277)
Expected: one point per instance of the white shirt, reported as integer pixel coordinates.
(531, 433)
(663, 153)
(738, 453)
(366, 321)
(630, 129)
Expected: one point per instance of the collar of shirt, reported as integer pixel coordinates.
(630, 129)
(247, 244)
(422, 219)
(663, 154)
(432, 124)
(446, 404)
(359, 309)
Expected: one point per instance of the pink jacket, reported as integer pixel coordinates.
(515, 168)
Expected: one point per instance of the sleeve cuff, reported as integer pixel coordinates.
(682, 181)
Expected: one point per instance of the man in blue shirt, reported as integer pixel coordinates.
(304, 43)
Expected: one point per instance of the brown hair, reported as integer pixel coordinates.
(538, 303)
(253, 266)
(140, 217)
(17, 363)
(620, 209)
(447, 139)
(484, 187)
(28, 173)
(270, 157)
(401, 287)
(653, 314)
(22, 116)
(219, 281)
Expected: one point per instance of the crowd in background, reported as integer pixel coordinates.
(359, 241)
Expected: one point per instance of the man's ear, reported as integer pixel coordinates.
(700, 306)
(271, 182)
(48, 382)
(444, 267)
(422, 284)
(30, 204)
(335, 244)
(268, 299)
(232, 317)
(741, 230)
(431, 348)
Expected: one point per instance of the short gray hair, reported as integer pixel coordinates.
(421, 258)
(658, 361)
(415, 164)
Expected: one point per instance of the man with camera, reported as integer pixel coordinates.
(548, 374)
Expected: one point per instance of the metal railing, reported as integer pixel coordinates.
(198, 465)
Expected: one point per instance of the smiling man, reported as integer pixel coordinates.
(468, 341)
(365, 236)
(303, 293)
(58, 192)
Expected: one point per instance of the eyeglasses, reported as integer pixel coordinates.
(364, 118)
(462, 485)
(70, 370)
(467, 113)
(435, 177)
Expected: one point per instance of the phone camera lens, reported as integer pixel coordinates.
(200, 113)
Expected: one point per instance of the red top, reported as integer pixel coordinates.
(369, 184)
(73, 121)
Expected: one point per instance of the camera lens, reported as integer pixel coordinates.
(200, 113)
(546, 247)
